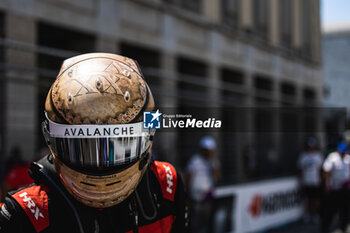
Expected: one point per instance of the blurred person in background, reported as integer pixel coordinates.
(347, 140)
(310, 166)
(203, 171)
(336, 169)
(16, 171)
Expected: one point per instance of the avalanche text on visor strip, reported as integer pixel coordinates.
(97, 131)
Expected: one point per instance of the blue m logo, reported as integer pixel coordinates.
(151, 120)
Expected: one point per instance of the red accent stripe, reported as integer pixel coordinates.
(34, 202)
(161, 226)
(167, 178)
(1, 205)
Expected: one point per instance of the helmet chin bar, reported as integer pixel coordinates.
(101, 191)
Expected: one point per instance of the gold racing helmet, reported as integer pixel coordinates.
(93, 127)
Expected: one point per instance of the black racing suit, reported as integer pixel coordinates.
(143, 211)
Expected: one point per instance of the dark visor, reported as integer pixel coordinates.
(97, 145)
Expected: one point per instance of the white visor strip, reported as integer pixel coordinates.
(97, 131)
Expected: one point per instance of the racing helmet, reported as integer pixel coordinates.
(94, 130)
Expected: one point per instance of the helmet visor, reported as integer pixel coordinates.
(97, 146)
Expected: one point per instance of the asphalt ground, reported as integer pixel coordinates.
(297, 227)
(302, 227)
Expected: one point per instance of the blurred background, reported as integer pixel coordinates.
(219, 55)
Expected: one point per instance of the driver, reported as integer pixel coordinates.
(99, 176)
